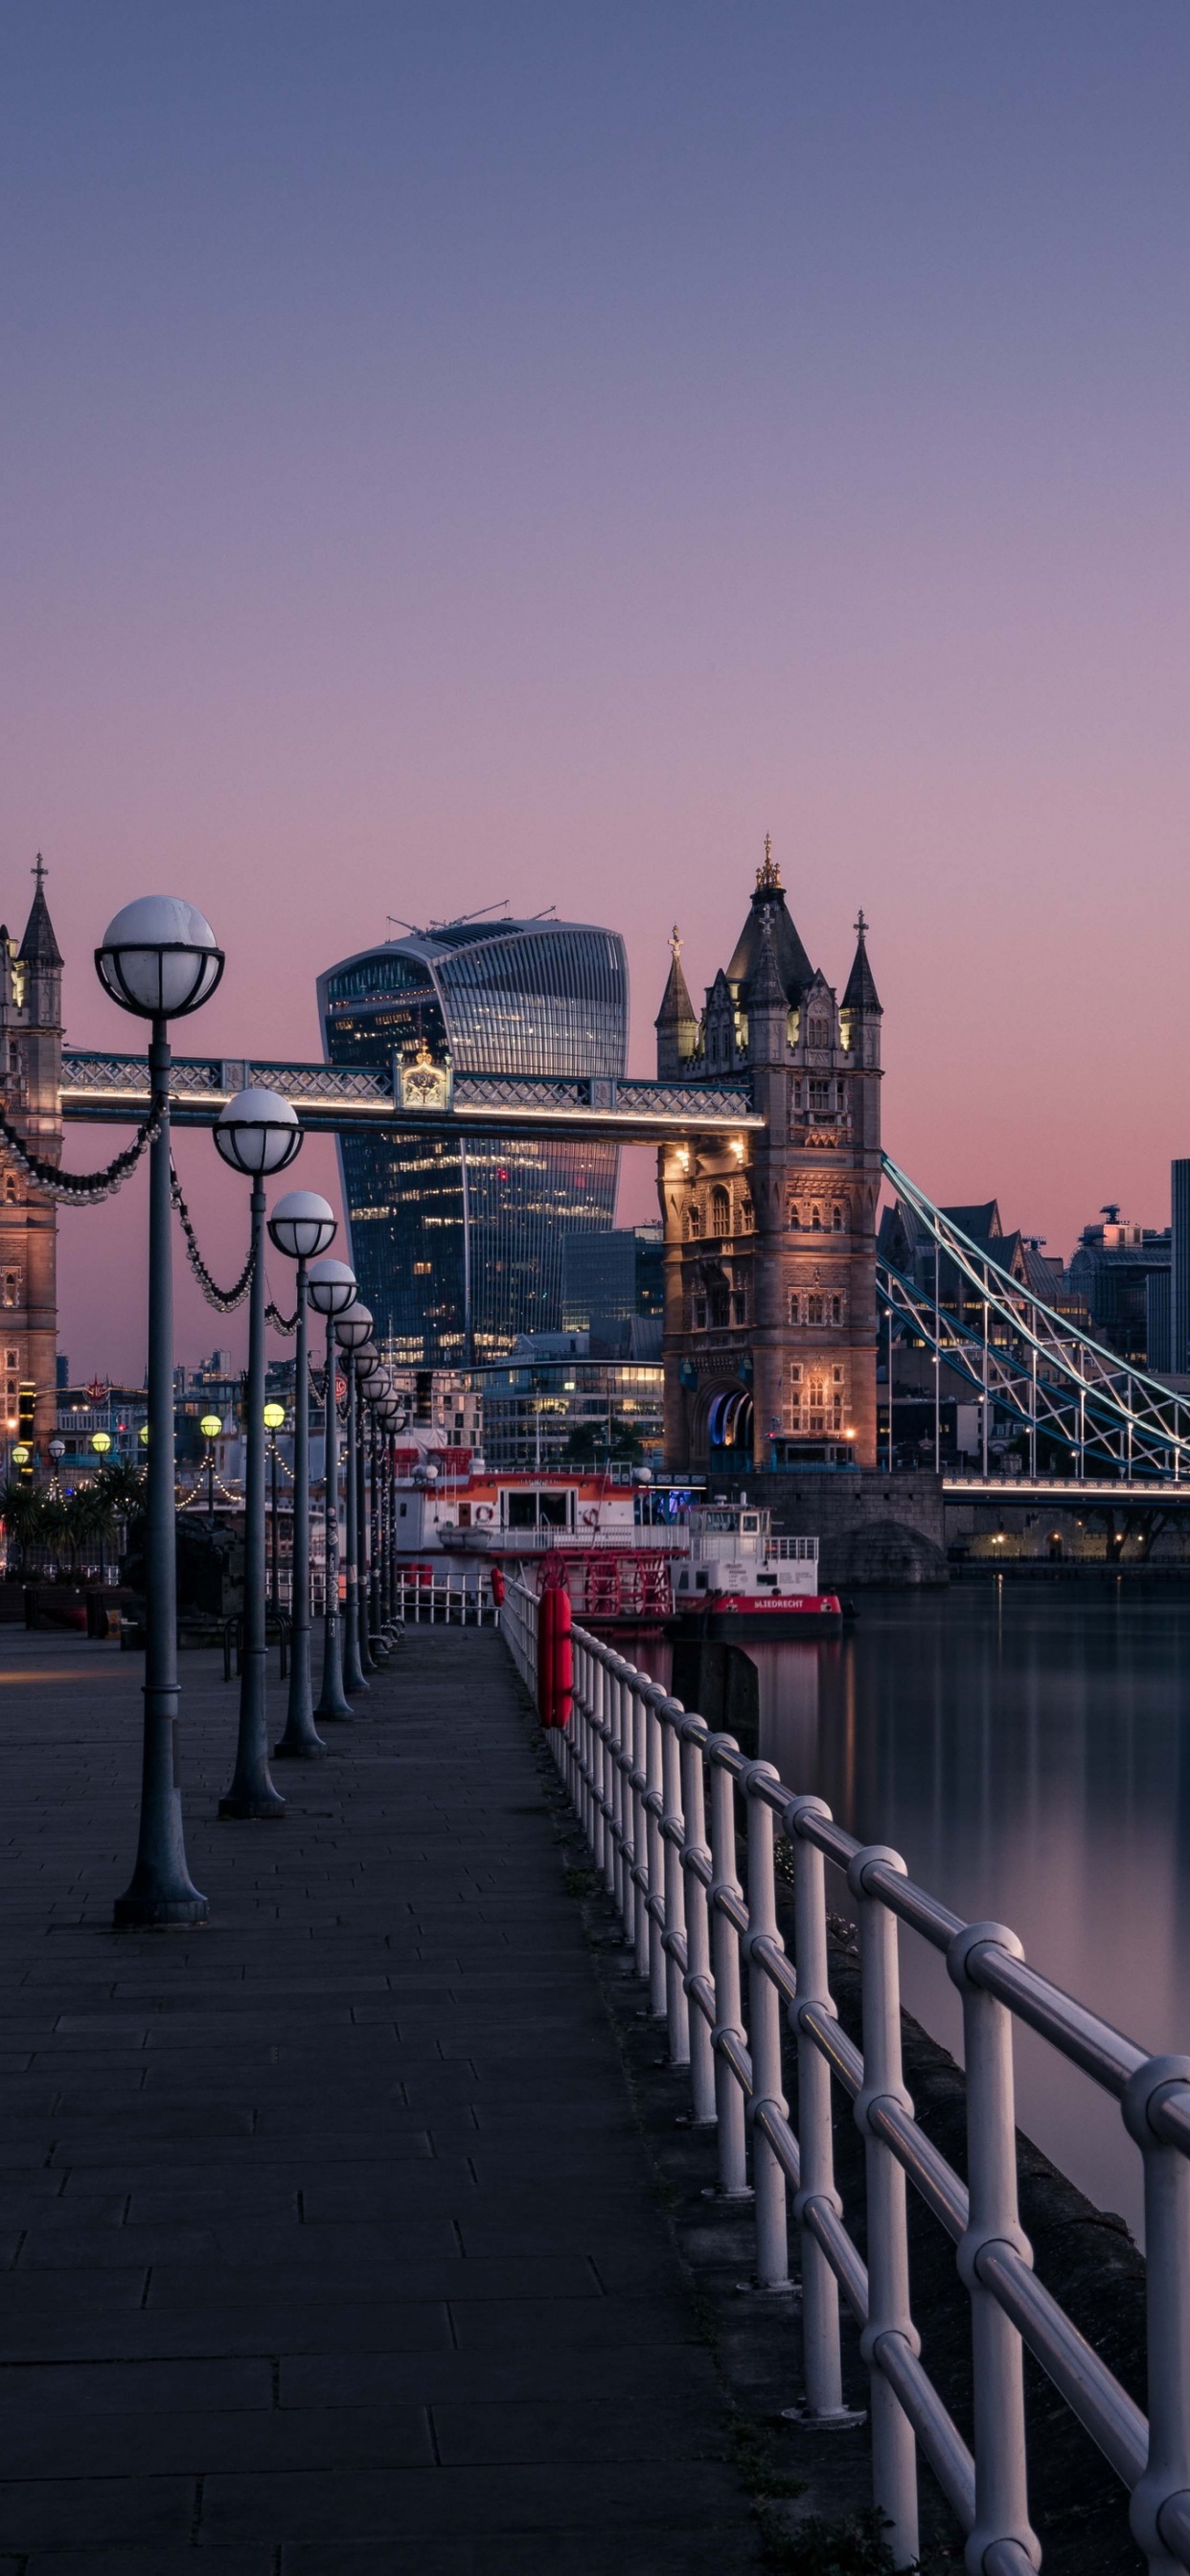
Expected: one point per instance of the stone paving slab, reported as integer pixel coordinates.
(331, 2243)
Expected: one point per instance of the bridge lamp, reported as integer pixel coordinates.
(331, 1289)
(353, 1332)
(256, 1133)
(210, 1427)
(101, 1442)
(159, 959)
(274, 1417)
(21, 1455)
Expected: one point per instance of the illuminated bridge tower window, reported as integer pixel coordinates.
(445, 1237)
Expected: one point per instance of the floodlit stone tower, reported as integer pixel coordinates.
(30, 1074)
(770, 1239)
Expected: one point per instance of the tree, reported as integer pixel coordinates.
(20, 1511)
(590, 1443)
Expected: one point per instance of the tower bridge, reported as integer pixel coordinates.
(781, 1311)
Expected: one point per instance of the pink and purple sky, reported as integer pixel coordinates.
(452, 452)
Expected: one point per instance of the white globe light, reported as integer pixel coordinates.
(331, 1287)
(159, 958)
(258, 1132)
(302, 1225)
(353, 1326)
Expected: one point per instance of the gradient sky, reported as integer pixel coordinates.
(451, 452)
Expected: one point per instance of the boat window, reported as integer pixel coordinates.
(522, 1510)
(750, 1521)
(553, 1510)
(701, 1581)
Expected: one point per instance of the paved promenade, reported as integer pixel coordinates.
(332, 2248)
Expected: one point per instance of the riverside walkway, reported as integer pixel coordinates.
(332, 2246)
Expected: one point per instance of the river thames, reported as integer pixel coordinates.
(1026, 1747)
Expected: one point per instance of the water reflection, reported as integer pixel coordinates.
(1024, 1748)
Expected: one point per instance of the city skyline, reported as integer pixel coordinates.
(558, 452)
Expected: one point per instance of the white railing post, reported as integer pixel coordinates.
(624, 1754)
(764, 2024)
(593, 1681)
(655, 1848)
(729, 2100)
(673, 1831)
(1167, 2255)
(894, 2451)
(1001, 2477)
(820, 2298)
(639, 1782)
(696, 1856)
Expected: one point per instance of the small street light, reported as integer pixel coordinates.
(257, 1133)
(301, 1226)
(331, 1290)
(351, 1332)
(101, 1442)
(274, 1416)
(160, 961)
(210, 1427)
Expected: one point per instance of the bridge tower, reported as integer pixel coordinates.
(770, 1239)
(30, 1074)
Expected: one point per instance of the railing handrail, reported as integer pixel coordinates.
(641, 1770)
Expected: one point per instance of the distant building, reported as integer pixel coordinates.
(907, 1245)
(553, 1405)
(1111, 1268)
(457, 1246)
(613, 1281)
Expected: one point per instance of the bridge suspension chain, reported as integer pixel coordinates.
(1032, 1362)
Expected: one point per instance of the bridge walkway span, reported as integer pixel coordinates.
(333, 2245)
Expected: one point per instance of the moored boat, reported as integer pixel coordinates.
(740, 1582)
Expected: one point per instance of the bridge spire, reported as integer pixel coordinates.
(861, 993)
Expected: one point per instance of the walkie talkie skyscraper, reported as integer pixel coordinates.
(458, 1248)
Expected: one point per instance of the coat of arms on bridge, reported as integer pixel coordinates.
(422, 1084)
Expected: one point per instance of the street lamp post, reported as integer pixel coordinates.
(352, 1332)
(301, 1226)
(257, 1133)
(159, 960)
(375, 1388)
(274, 1417)
(367, 1363)
(210, 1427)
(331, 1293)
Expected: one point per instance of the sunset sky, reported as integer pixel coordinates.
(454, 452)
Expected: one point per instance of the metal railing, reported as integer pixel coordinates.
(443, 1602)
(642, 1772)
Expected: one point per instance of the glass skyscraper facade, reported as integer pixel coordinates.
(458, 1246)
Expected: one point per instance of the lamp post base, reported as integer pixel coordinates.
(133, 1912)
(308, 1749)
(252, 1808)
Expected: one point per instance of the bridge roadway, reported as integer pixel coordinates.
(332, 2245)
(1065, 1493)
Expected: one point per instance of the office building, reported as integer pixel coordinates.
(612, 1279)
(554, 1406)
(458, 1246)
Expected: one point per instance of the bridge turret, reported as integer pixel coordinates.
(676, 1025)
(30, 1073)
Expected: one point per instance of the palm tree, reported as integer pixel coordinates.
(20, 1512)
